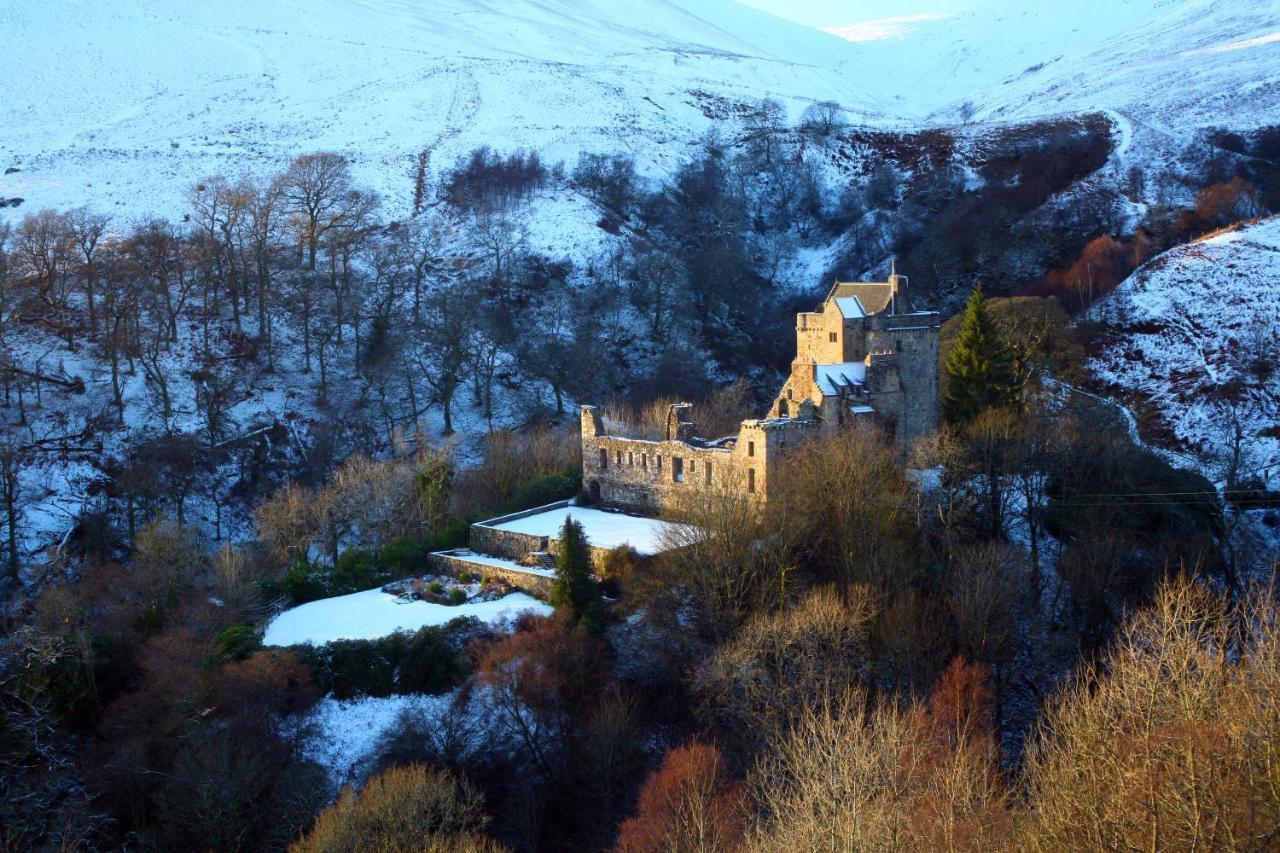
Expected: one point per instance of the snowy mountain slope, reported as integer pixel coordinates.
(1176, 64)
(1195, 333)
(126, 104)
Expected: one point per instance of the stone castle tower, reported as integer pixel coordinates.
(862, 355)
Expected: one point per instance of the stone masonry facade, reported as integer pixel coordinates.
(861, 355)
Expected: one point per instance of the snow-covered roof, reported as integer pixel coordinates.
(833, 379)
(850, 307)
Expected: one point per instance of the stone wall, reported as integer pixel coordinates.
(654, 476)
(911, 398)
(508, 544)
(534, 584)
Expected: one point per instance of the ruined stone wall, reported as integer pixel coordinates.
(654, 476)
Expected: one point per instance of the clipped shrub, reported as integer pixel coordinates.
(545, 490)
(236, 643)
(304, 582)
(357, 570)
(403, 556)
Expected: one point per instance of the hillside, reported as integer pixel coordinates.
(1192, 336)
(127, 105)
(1171, 65)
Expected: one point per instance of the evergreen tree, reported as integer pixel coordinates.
(980, 367)
(575, 586)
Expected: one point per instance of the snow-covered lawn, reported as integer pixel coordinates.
(603, 529)
(373, 613)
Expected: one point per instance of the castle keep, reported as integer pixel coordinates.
(862, 355)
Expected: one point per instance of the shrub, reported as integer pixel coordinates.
(545, 490)
(688, 804)
(435, 588)
(618, 569)
(236, 643)
(405, 809)
(357, 570)
(403, 556)
(457, 595)
(359, 669)
(430, 663)
(304, 582)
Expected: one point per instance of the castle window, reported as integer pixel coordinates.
(751, 480)
(834, 337)
(631, 458)
(657, 461)
(898, 344)
(693, 466)
(677, 469)
(604, 459)
(619, 460)
(707, 468)
(644, 460)
(751, 448)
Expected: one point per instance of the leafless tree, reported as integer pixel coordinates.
(315, 189)
(822, 119)
(87, 230)
(45, 245)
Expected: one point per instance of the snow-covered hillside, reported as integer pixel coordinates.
(1195, 334)
(125, 105)
(1175, 64)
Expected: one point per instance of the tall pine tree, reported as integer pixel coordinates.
(980, 367)
(575, 586)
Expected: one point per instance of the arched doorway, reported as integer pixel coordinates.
(593, 491)
(784, 409)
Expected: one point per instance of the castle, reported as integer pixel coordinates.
(862, 356)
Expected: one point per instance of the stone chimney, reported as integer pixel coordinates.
(898, 302)
(680, 425)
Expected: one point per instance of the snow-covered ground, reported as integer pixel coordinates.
(1193, 340)
(125, 105)
(1174, 64)
(603, 529)
(343, 734)
(373, 613)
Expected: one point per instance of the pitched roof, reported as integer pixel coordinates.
(835, 379)
(873, 295)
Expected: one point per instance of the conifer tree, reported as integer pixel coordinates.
(980, 367)
(575, 586)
